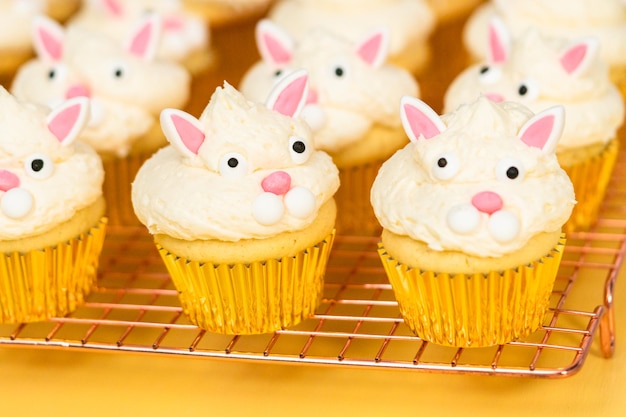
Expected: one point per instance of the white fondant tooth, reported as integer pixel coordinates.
(463, 219)
(268, 208)
(314, 116)
(504, 226)
(17, 203)
(300, 202)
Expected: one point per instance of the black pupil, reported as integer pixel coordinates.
(52, 73)
(233, 162)
(298, 147)
(339, 72)
(512, 173)
(442, 162)
(483, 70)
(522, 90)
(118, 72)
(36, 165)
(278, 73)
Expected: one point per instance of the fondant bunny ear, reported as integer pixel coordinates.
(48, 38)
(374, 48)
(544, 130)
(144, 41)
(499, 41)
(419, 120)
(114, 8)
(577, 58)
(288, 97)
(68, 120)
(275, 45)
(183, 131)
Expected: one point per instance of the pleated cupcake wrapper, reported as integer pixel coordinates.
(355, 215)
(590, 179)
(50, 282)
(254, 298)
(119, 175)
(474, 310)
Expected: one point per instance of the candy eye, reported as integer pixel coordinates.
(510, 169)
(233, 165)
(39, 166)
(339, 70)
(446, 166)
(528, 89)
(57, 73)
(119, 71)
(278, 73)
(489, 74)
(299, 149)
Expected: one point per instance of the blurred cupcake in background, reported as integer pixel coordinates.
(219, 13)
(51, 210)
(410, 24)
(541, 71)
(127, 87)
(351, 105)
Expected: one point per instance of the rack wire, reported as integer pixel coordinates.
(135, 309)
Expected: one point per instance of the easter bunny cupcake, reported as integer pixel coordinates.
(472, 210)
(127, 87)
(185, 36)
(540, 72)
(241, 208)
(410, 23)
(351, 106)
(51, 210)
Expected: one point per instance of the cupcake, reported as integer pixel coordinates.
(449, 11)
(410, 23)
(542, 71)
(604, 20)
(351, 105)
(59, 10)
(227, 12)
(472, 210)
(185, 36)
(127, 87)
(241, 208)
(51, 210)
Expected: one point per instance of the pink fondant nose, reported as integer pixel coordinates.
(278, 183)
(172, 23)
(487, 202)
(495, 97)
(313, 97)
(77, 90)
(8, 180)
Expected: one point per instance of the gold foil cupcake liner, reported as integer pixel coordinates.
(355, 215)
(474, 310)
(254, 298)
(119, 175)
(52, 281)
(590, 180)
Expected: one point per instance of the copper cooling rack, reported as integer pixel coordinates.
(135, 309)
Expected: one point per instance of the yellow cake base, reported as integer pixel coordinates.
(49, 282)
(474, 309)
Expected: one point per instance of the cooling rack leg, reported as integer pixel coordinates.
(607, 322)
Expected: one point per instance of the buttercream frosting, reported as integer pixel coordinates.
(481, 180)
(126, 84)
(46, 176)
(604, 20)
(540, 72)
(240, 171)
(16, 17)
(183, 32)
(351, 85)
(409, 21)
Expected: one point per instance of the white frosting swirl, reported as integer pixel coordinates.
(195, 199)
(473, 208)
(604, 20)
(594, 107)
(15, 23)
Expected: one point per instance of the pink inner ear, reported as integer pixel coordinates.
(191, 136)
(52, 45)
(420, 124)
(537, 134)
(141, 42)
(572, 59)
(113, 7)
(277, 51)
(63, 123)
(497, 48)
(289, 99)
(370, 49)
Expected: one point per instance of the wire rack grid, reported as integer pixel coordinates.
(135, 309)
